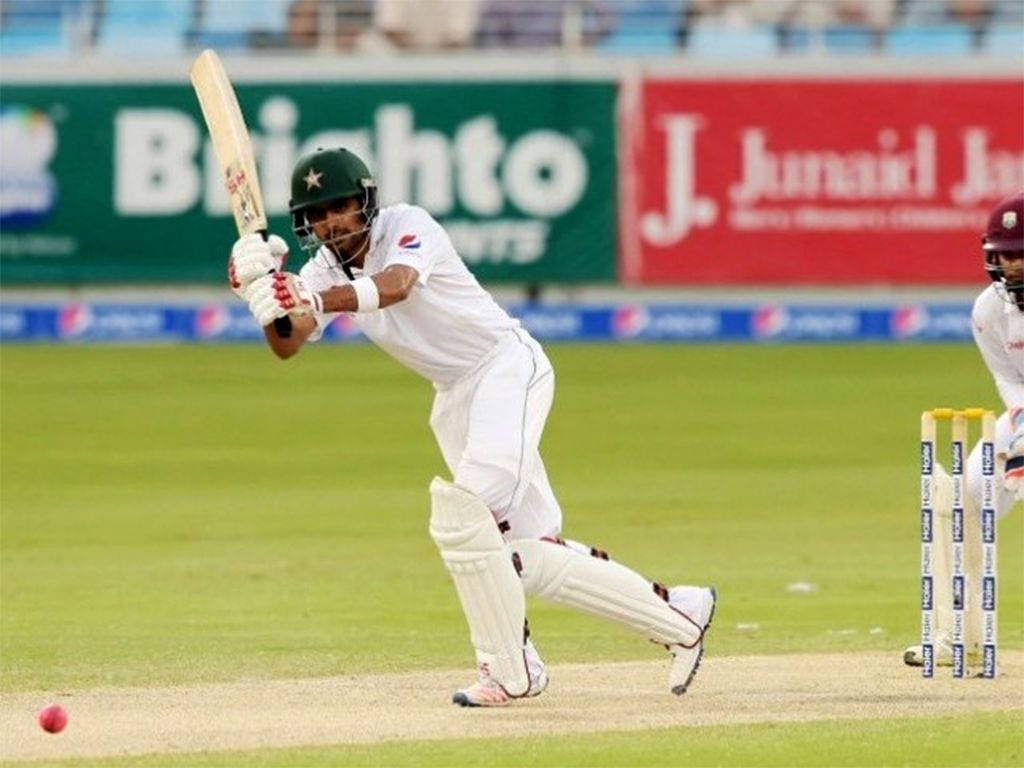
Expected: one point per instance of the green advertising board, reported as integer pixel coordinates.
(118, 183)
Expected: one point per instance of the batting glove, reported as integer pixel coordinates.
(279, 294)
(1013, 475)
(252, 257)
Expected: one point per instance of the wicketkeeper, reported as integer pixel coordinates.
(498, 524)
(998, 324)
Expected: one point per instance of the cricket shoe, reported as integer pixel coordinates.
(942, 653)
(488, 692)
(700, 608)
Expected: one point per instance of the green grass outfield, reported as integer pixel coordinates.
(200, 513)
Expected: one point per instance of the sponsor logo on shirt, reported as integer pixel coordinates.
(408, 242)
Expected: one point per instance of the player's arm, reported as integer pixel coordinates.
(1011, 389)
(254, 259)
(284, 295)
(365, 294)
(285, 347)
(1007, 379)
(1013, 473)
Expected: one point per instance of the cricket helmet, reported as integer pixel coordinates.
(327, 176)
(1005, 234)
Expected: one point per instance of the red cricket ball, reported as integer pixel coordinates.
(53, 718)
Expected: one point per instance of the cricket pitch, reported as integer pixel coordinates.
(415, 705)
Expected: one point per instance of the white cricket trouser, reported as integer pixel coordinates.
(489, 425)
(1003, 498)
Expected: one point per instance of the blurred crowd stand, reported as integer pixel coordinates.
(714, 28)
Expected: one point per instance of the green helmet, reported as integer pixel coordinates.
(326, 176)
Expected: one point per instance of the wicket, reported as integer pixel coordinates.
(960, 579)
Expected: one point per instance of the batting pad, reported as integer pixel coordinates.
(489, 588)
(602, 587)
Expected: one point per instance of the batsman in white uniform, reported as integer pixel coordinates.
(997, 320)
(497, 525)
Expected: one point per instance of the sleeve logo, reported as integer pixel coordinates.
(406, 242)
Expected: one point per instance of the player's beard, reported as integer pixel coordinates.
(351, 248)
(1013, 284)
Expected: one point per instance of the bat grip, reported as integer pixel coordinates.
(282, 325)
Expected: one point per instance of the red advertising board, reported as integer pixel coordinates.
(815, 181)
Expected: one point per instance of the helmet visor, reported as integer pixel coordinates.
(1006, 268)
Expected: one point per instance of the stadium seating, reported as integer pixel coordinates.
(644, 26)
(169, 28)
(849, 39)
(932, 40)
(42, 26)
(712, 38)
(1003, 40)
(222, 26)
(1008, 12)
(152, 28)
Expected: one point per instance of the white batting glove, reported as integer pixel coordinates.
(1013, 475)
(252, 257)
(263, 302)
(279, 294)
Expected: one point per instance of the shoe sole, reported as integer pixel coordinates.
(911, 659)
(679, 690)
(463, 700)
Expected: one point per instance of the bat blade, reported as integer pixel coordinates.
(233, 148)
(231, 142)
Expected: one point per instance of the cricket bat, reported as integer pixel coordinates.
(233, 148)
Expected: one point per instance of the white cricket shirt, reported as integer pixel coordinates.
(448, 323)
(998, 328)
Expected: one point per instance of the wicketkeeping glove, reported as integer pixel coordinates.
(252, 257)
(279, 294)
(1013, 475)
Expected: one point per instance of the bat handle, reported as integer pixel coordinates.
(283, 325)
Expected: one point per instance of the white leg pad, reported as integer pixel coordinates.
(489, 588)
(601, 587)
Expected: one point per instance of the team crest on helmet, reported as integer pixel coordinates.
(312, 179)
(1009, 219)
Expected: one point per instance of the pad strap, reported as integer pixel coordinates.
(553, 569)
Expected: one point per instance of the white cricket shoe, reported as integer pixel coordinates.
(685, 661)
(487, 692)
(942, 653)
